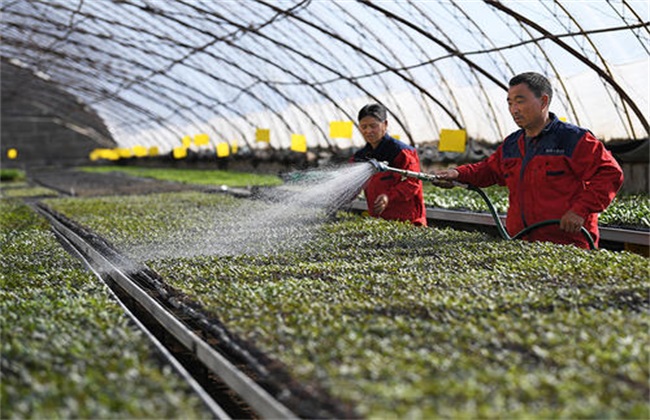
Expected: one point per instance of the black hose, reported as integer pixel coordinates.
(504, 233)
(382, 166)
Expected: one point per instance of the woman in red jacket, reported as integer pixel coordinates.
(553, 170)
(389, 195)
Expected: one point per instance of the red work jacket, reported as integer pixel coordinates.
(564, 168)
(405, 198)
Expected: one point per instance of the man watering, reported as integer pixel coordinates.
(553, 170)
(389, 195)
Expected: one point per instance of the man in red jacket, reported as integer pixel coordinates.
(553, 170)
(389, 195)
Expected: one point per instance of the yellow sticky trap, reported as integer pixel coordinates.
(109, 154)
(153, 151)
(201, 139)
(298, 143)
(12, 153)
(452, 140)
(179, 152)
(223, 149)
(123, 152)
(234, 146)
(186, 141)
(139, 151)
(97, 154)
(341, 129)
(263, 135)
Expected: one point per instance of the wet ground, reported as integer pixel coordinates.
(73, 182)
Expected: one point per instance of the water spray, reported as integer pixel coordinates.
(383, 167)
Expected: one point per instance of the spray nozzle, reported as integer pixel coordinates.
(379, 166)
(383, 167)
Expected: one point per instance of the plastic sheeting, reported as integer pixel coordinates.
(157, 71)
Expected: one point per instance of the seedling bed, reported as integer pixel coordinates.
(68, 349)
(404, 321)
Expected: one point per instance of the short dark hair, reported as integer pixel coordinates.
(377, 111)
(537, 83)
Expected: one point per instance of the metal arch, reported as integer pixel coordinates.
(230, 43)
(353, 80)
(311, 59)
(453, 51)
(604, 63)
(77, 71)
(144, 45)
(306, 69)
(107, 70)
(202, 93)
(579, 56)
(210, 75)
(350, 79)
(631, 9)
(425, 102)
(361, 51)
(485, 38)
(478, 80)
(266, 82)
(535, 41)
(312, 85)
(133, 28)
(395, 105)
(302, 68)
(191, 50)
(157, 36)
(244, 29)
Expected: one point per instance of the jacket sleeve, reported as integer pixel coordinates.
(601, 176)
(408, 187)
(484, 173)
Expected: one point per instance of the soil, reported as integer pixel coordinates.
(85, 184)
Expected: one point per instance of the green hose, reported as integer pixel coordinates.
(504, 234)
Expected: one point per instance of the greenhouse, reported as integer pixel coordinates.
(157, 71)
(187, 230)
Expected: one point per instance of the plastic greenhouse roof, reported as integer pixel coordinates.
(157, 71)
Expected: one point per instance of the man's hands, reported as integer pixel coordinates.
(571, 222)
(381, 202)
(446, 178)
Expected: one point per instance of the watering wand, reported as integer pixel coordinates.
(383, 167)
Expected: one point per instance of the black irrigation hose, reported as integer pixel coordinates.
(504, 234)
(383, 166)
